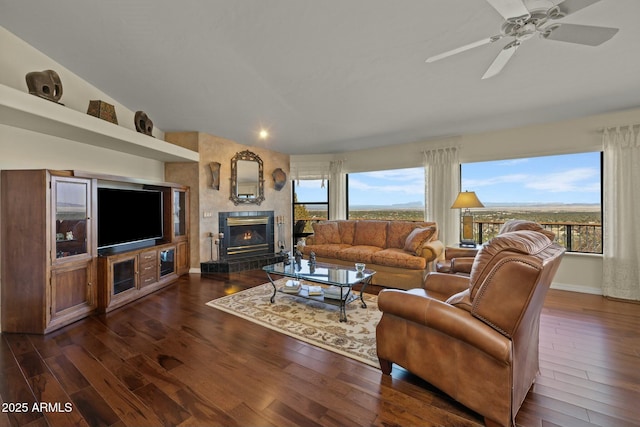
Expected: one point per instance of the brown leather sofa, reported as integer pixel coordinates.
(475, 338)
(457, 262)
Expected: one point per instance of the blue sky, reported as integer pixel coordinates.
(573, 178)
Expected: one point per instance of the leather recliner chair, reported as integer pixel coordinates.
(456, 262)
(475, 338)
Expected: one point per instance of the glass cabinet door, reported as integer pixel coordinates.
(167, 262)
(124, 275)
(71, 209)
(179, 213)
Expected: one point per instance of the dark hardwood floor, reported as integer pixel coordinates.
(169, 359)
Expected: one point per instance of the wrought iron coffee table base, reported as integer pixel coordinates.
(345, 299)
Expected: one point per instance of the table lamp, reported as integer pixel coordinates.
(466, 200)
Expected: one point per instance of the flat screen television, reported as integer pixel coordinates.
(127, 216)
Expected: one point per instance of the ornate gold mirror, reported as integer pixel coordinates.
(247, 183)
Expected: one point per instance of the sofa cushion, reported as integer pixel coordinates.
(358, 253)
(417, 238)
(329, 250)
(347, 230)
(394, 257)
(397, 232)
(326, 233)
(371, 233)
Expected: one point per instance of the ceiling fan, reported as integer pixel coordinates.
(521, 24)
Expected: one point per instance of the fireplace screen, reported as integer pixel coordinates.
(247, 235)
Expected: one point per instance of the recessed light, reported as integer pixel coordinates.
(264, 134)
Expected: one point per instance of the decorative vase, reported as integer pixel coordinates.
(103, 111)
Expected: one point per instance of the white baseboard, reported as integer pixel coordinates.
(194, 270)
(576, 288)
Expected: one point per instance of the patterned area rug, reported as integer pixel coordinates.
(310, 321)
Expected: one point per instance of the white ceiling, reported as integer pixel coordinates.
(327, 76)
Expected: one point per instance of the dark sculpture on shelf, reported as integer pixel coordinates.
(143, 123)
(45, 84)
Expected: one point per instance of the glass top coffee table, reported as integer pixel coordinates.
(327, 275)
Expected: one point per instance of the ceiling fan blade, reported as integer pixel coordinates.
(567, 7)
(463, 48)
(580, 34)
(510, 9)
(501, 60)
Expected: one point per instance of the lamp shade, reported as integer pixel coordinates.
(467, 199)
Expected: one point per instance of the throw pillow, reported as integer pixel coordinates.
(417, 238)
(326, 233)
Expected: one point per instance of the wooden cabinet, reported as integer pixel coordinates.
(180, 214)
(48, 250)
(182, 257)
(131, 275)
(51, 274)
(72, 293)
(118, 276)
(167, 264)
(180, 228)
(148, 269)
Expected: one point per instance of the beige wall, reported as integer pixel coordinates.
(21, 149)
(207, 202)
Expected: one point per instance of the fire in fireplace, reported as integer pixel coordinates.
(246, 233)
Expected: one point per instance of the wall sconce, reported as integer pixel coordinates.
(279, 179)
(215, 175)
(467, 200)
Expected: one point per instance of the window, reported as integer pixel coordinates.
(310, 204)
(563, 193)
(387, 195)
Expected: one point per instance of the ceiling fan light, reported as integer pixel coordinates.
(546, 32)
(555, 13)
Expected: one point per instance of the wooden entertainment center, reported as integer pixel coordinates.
(52, 270)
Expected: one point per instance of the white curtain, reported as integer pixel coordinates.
(621, 240)
(309, 170)
(442, 184)
(337, 191)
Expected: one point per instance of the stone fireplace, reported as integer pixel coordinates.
(247, 242)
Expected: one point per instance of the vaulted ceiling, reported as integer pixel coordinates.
(332, 75)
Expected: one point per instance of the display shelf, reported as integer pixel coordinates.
(23, 110)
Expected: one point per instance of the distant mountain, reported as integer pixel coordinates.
(488, 205)
(537, 205)
(399, 206)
